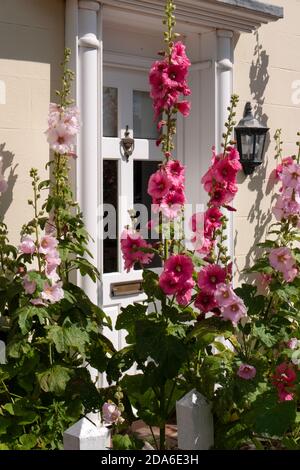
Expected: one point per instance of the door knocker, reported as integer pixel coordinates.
(127, 144)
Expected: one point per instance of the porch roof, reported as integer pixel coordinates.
(235, 15)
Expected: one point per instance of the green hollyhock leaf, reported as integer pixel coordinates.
(54, 379)
(129, 316)
(66, 337)
(269, 416)
(27, 441)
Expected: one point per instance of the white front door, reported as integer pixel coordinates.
(126, 102)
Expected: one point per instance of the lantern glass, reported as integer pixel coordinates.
(259, 147)
(247, 142)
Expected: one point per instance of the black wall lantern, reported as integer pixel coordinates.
(251, 137)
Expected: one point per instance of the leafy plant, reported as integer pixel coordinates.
(53, 331)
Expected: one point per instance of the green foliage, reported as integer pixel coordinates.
(45, 385)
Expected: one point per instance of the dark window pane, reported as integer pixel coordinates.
(110, 226)
(144, 126)
(110, 112)
(142, 172)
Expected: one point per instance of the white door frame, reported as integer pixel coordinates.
(212, 83)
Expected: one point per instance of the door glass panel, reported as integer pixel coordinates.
(110, 215)
(142, 171)
(110, 112)
(143, 125)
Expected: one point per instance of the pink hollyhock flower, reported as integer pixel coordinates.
(203, 245)
(212, 220)
(224, 172)
(290, 274)
(178, 55)
(111, 414)
(205, 302)
(174, 76)
(60, 139)
(210, 276)
(286, 161)
(221, 195)
(169, 283)
(52, 258)
(52, 293)
(284, 395)
(131, 244)
(225, 295)
(170, 99)
(234, 156)
(172, 203)
(29, 286)
(284, 380)
(47, 244)
(181, 266)
(281, 259)
(27, 245)
(207, 180)
(246, 372)
(235, 311)
(293, 343)
(159, 184)
(288, 204)
(184, 107)
(184, 294)
(291, 176)
(175, 170)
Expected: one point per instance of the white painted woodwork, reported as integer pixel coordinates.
(224, 92)
(194, 422)
(145, 149)
(2, 352)
(88, 177)
(87, 434)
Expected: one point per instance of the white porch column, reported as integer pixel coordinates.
(89, 92)
(224, 92)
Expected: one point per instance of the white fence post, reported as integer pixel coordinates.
(2, 352)
(87, 434)
(194, 422)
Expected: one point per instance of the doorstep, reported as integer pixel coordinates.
(143, 432)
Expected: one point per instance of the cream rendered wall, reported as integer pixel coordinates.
(267, 64)
(31, 49)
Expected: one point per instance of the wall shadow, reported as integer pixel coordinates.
(257, 216)
(9, 170)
